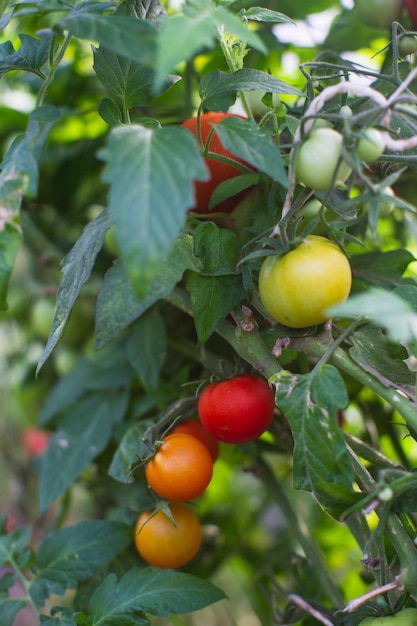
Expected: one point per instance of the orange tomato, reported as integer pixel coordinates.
(195, 428)
(181, 468)
(163, 544)
(219, 171)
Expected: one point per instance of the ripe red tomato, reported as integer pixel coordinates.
(195, 428)
(411, 6)
(34, 441)
(237, 410)
(165, 545)
(181, 468)
(219, 171)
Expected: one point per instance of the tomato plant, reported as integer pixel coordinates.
(219, 170)
(405, 617)
(318, 159)
(378, 13)
(370, 145)
(180, 469)
(237, 410)
(407, 44)
(297, 287)
(168, 543)
(195, 428)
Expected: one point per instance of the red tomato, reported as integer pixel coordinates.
(411, 6)
(219, 171)
(34, 441)
(195, 428)
(237, 410)
(181, 468)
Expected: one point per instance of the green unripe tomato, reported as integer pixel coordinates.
(297, 287)
(406, 617)
(370, 145)
(407, 44)
(378, 13)
(317, 158)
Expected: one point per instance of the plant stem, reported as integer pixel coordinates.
(52, 69)
(300, 531)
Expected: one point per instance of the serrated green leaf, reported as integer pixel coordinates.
(131, 449)
(252, 144)
(72, 554)
(14, 544)
(76, 270)
(231, 187)
(60, 617)
(322, 465)
(150, 193)
(382, 269)
(147, 347)
(218, 89)
(84, 431)
(384, 308)
(9, 609)
(134, 39)
(260, 14)
(31, 56)
(158, 592)
(117, 303)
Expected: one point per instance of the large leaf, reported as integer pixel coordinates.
(72, 554)
(141, 591)
(31, 56)
(252, 144)
(9, 608)
(147, 347)
(218, 89)
(382, 269)
(321, 462)
(218, 288)
(76, 270)
(83, 433)
(117, 303)
(151, 173)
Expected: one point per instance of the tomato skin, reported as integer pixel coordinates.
(317, 157)
(165, 545)
(237, 410)
(411, 6)
(195, 428)
(181, 468)
(370, 145)
(35, 441)
(297, 287)
(219, 171)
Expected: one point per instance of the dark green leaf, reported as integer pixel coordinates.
(76, 270)
(31, 56)
(383, 269)
(9, 608)
(20, 163)
(132, 448)
(141, 591)
(59, 617)
(84, 431)
(71, 554)
(10, 240)
(218, 89)
(134, 39)
(252, 144)
(321, 462)
(147, 346)
(150, 193)
(14, 544)
(110, 112)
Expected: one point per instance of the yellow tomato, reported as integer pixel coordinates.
(297, 287)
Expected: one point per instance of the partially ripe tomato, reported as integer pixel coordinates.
(219, 172)
(406, 617)
(237, 410)
(195, 428)
(370, 145)
(317, 158)
(297, 287)
(181, 468)
(34, 441)
(378, 13)
(165, 545)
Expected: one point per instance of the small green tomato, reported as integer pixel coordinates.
(370, 145)
(317, 159)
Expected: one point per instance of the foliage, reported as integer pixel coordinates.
(144, 302)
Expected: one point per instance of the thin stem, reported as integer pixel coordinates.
(52, 70)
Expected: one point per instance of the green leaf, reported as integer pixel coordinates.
(252, 144)
(31, 56)
(10, 240)
(20, 163)
(228, 22)
(214, 294)
(218, 89)
(129, 82)
(84, 431)
(381, 357)
(76, 270)
(322, 465)
(147, 347)
(384, 308)
(131, 449)
(260, 14)
(132, 38)
(150, 193)
(382, 269)
(9, 609)
(60, 616)
(117, 303)
(110, 112)
(72, 554)
(158, 592)
(14, 545)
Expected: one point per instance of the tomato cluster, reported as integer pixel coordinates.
(237, 410)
